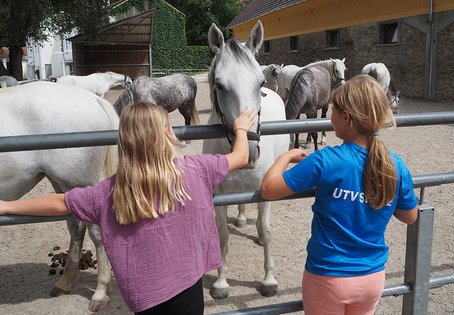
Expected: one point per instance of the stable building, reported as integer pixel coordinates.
(414, 39)
(124, 47)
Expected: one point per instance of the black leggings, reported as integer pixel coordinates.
(189, 302)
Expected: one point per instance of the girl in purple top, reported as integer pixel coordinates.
(156, 214)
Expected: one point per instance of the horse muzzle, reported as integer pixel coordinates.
(254, 155)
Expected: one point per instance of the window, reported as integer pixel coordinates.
(389, 33)
(267, 47)
(48, 68)
(332, 39)
(293, 42)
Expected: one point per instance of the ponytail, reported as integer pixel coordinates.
(379, 175)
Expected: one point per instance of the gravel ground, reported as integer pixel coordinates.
(25, 281)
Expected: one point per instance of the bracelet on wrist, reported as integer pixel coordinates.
(240, 129)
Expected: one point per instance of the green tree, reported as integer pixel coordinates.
(29, 21)
(200, 14)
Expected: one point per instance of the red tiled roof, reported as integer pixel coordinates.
(258, 8)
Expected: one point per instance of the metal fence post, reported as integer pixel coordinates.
(418, 259)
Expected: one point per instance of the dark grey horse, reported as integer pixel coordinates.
(7, 81)
(176, 91)
(310, 91)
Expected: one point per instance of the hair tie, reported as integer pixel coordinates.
(375, 134)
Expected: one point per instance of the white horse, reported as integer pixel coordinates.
(381, 73)
(235, 81)
(98, 83)
(42, 108)
(7, 81)
(335, 67)
(271, 72)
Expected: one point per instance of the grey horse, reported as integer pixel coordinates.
(310, 91)
(7, 81)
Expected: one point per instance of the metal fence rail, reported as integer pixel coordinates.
(108, 137)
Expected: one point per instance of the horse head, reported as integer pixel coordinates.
(394, 101)
(338, 71)
(235, 81)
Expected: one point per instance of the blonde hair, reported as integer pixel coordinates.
(366, 102)
(146, 170)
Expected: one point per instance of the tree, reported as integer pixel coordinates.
(27, 21)
(200, 14)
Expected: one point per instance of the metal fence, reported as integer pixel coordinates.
(417, 280)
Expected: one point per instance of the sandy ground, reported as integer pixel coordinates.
(24, 266)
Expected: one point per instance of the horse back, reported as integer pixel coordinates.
(310, 90)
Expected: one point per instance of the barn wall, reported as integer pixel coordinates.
(132, 60)
(359, 45)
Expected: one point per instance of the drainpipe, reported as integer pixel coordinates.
(432, 38)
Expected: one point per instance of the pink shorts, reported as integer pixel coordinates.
(342, 295)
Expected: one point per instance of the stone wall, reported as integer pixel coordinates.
(360, 46)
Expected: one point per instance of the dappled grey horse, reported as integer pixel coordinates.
(175, 91)
(310, 91)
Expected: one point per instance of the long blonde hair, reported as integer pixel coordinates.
(148, 184)
(366, 102)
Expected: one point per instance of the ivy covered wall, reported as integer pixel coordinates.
(169, 48)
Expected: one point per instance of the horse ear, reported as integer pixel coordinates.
(255, 39)
(215, 38)
(343, 60)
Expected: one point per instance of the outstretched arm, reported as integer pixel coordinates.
(407, 216)
(47, 205)
(240, 152)
(273, 184)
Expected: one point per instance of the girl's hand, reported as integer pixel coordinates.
(295, 155)
(245, 120)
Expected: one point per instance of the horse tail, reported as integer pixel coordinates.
(194, 114)
(111, 160)
(297, 95)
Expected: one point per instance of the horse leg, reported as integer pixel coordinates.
(76, 230)
(241, 218)
(324, 111)
(314, 136)
(269, 283)
(220, 289)
(100, 299)
(187, 117)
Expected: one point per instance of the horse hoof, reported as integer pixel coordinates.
(258, 241)
(267, 291)
(240, 223)
(219, 294)
(55, 292)
(96, 306)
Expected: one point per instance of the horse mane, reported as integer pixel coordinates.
(125, 98)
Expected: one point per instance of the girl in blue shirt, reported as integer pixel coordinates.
(359, 185)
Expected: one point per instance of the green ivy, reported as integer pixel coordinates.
(169, 46)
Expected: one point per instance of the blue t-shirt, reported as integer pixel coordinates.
(347, 234)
